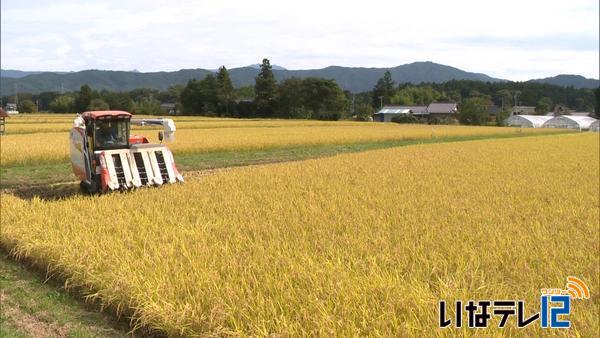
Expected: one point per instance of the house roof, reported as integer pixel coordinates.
(442, 108)
(105, 113)
(3, 112)
(414, 109)
(393, 110)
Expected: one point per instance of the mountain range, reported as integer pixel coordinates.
(349, 78)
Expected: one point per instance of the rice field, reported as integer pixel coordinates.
(351, 245)
(203, 135)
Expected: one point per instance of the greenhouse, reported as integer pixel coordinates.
(527, 121)
(570, 122)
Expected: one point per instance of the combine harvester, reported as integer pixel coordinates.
(106, 157)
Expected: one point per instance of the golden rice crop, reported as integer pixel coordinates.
(54, 147)
(356, 244)
(27, 127)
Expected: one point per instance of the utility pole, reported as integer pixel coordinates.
(353, 107)
(381, 102)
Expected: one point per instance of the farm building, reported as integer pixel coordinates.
(527, 121)
(415, 110)
(595, 126)
(570, 122)
(389, 112)
(434, 109)
(442, 109)
(525, 110)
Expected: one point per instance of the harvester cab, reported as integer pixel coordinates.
(105, 156)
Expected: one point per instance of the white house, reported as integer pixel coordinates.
(388, 112)
(527, 121)
(595, 126)
(570, 122)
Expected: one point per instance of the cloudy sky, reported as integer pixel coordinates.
(511, 39)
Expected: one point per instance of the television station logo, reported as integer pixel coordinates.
(555, 307)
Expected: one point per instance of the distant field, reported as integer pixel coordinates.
(351, 245)
(36, 145)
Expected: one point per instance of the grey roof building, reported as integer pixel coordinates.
(442, 108)
(415, 110)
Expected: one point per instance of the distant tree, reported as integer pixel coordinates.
(140, 93)
(244, 92)
(597, 97)
(200, 97)
(98, 104)
(364, 112)
(415, 95)
(290, 100)
(171, 95)
(504, 99)
(324, 99)
(402, 97)
(383, 90)
(501, 117)
(311, 98)
(63, 104)
(225, 94)
(83, 98)
(190, 100)
(147, 106)
(27, 106)
(265, 89)
(44, 99)
(543, 106)
(474, 111)
(117, 100)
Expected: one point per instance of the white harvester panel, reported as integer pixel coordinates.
(142, 165)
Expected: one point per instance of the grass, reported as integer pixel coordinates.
(32, 307)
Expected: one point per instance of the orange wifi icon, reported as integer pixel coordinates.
(577, 288)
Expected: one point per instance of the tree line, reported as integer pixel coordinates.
(307, 98)
(479, 100)
(315, 98)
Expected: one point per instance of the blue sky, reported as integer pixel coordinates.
(512, 39)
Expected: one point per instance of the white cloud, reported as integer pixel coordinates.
(513, 39)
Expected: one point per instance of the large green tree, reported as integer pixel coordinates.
(98, 104)
(474, 111)
(265, 90)
(225, 93)
(27, 106)
(544, 105)
(62, 104)
(384, 90)
(324, 99)
(83, 98)
(199, 97)
(290, 100)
